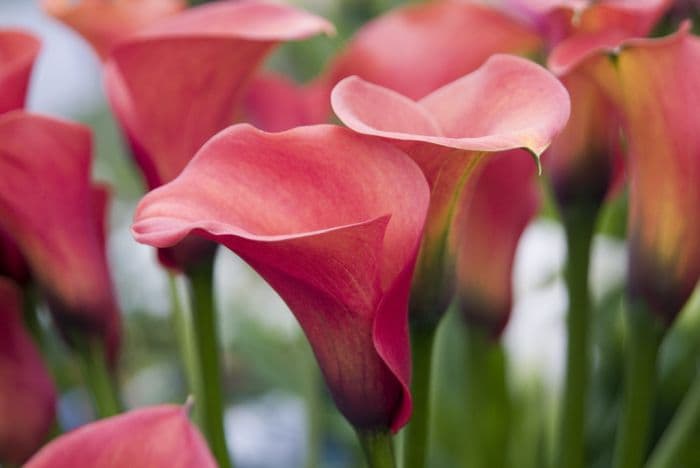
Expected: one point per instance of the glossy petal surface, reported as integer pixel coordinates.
(152, 437)
(27, 394)
(332, 220)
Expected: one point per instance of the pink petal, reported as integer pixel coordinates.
(152, 437)
(660, 96)
(507, 103)
(54, 222)
(18, 50)
(418, 48)
(257, 193)
(492, 215)
(27, 394)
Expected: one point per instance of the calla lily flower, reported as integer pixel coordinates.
(418, 48)
(660, 97)
(152, 437)
(18, 51)
(54, 223)
(220, 45)
(332, 220)
(103, 23)
(27, 394)
(488, 226)
(507, 103)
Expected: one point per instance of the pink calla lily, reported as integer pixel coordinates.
(507, 103)
(152, 437)
(658, 79)
(27, 394)
(54, 224)
(299, 206)
(488, 225)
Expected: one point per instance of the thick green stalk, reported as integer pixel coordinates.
(209, 402)
(415, 441)
(579, 224)
(487, 401)
(378, 448)
(644, 333)
(182, 325)
(98, 378)
(681, 430)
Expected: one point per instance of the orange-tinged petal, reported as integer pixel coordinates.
(103, 23)
(151, 437)
(488, 225)
(660, 95)
(507, 103)
(18, 50)
(27, 394)
(418, 48)
(53, 221)
(332, 220)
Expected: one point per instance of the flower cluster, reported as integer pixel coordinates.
(369, 229)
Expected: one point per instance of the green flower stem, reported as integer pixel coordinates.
(644, 333)
(182, 324)
(681, 430)
(98, 378)
(314, 410)
(31, 316)
(487, 401)
(579, 225)
(209, 402)
(378, 448)
(415, 442)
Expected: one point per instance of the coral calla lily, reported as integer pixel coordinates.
(418, 48)
(167, 114)
(660, 97)
(152, 437)
(54, 222)
(27, 394)
(507, 103)
(488, 225)
(18, 50)
(103, 23)
(299, 206)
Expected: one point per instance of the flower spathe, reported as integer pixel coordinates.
(54, 223)
(660, 98)
(103, 23)
(488, 225)
(416, 49)
(507, 103)
(27, 394)
(332, 220)
(18, 51)
(151, 437)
